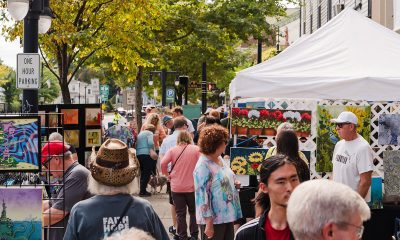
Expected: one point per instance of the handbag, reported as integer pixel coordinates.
(120, 217)
(153, 154)
(172, 167)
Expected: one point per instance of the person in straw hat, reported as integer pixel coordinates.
(113, 208)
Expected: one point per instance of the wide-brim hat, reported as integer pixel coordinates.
(114, 164)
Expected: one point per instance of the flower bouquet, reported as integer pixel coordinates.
(254, 123)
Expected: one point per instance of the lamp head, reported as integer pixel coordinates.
(18, 8)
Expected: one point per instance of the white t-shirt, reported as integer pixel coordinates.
(350, 159)
(190, 126)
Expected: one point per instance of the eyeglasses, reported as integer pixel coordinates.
(340, 125)
(360, 229)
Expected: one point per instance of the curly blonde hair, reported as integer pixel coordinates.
(151, 118)
(211, 137)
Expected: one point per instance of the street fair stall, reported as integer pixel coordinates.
(349, 64)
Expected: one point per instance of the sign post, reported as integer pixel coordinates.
(104, 91)
(28, 70)
(170, 95)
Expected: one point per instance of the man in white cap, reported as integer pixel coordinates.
(352, 157)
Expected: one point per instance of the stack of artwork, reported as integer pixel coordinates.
(265, 122)
(327, 135)
(19, 143)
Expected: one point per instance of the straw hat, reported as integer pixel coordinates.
(114, 164)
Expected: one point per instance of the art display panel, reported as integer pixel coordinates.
(327, 135)
(19, 143)
(21, 216)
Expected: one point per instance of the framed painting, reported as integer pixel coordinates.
(247, 161)
(42, 115)
(21, 213)
(389, 129)
(72, 137)
(92, 117)
(327, 135)
(53, 120)
(93, 137)
(70, 116)
(20, 143)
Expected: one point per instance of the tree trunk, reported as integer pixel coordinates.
(62, 59)
(138, 98)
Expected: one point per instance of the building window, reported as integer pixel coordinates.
(304, 27)
(329, 9)
(319, 17)
(311, 23)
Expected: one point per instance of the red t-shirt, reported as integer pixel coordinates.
(273, 234)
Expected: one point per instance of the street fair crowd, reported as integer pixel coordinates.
(192, 158)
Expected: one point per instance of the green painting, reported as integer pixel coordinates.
(327, 135)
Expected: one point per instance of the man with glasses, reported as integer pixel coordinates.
(352, 157)
(58, 161)
(326, 210)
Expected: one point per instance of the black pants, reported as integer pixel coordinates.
(147, 166)
(185, 202)
(222, 231)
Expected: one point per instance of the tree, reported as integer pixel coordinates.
(49, 88)
(11, 93)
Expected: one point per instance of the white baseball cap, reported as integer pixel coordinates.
(346, 117)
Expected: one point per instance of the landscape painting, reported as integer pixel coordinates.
(70, 116)
(21, 216)
(247, 161)
(327, 135)
(19, 144)
(389, 129)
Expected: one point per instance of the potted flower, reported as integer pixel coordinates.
(235, 120)
(303, 127)
(242, 122)
(255, 123)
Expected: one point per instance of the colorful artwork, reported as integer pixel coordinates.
(19, 144)
(53, 119)
(265, 122)
(93, 137)
(389, 129)
(255, 104)
(21, 216)
(247, 161)
(92, 116)
(391, 170)
(72, 137)
(70, 116)
(376, 193)
(327, 135)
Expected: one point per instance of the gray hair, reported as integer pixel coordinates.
(131, 233)
(285, 126)
(56, 136)
(97, 188)
(313, 204)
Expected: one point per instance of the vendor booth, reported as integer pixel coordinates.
(349, 64)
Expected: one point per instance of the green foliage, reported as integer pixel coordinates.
(49, 88)
(11, 93)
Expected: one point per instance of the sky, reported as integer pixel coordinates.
(22, 203)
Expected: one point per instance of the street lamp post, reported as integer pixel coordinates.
(163, 74)
(37, 19)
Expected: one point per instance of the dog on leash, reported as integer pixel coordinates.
(157, 181)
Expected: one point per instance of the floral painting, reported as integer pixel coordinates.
(327, 135)
(389, 129)
(247, 121)
(70, 116)
(247, 161)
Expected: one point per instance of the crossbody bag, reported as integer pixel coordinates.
(176, 161)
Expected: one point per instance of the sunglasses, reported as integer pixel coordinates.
(340, 125)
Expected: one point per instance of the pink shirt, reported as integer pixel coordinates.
(182, 174)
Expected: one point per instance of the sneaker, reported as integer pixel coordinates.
(172, 230)
(145, 194)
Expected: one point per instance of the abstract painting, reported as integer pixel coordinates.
(391, 169)
(70, 116)
(93, 137)
(376, 193)
(247, 161)
(72, 137)
(389, 129)
(92, 116)
(53, 119)
(327, 135)
(19, 144)
(21, 216)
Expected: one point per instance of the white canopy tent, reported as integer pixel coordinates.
(351, 57)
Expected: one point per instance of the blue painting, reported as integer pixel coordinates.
(389, 129)
(247, 161)
(21, 215)
(19, 144)
(376, 193)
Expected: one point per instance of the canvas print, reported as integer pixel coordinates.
(327, 135)
(376, 193)
(249, 121)
(391, 169)
(70, 116)
(19, 144)
(20, 220)
(93, 137)
(389, 129)
(72, 137)
(92, 116)
(53, 119)
(42, 118)
(247, 161)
